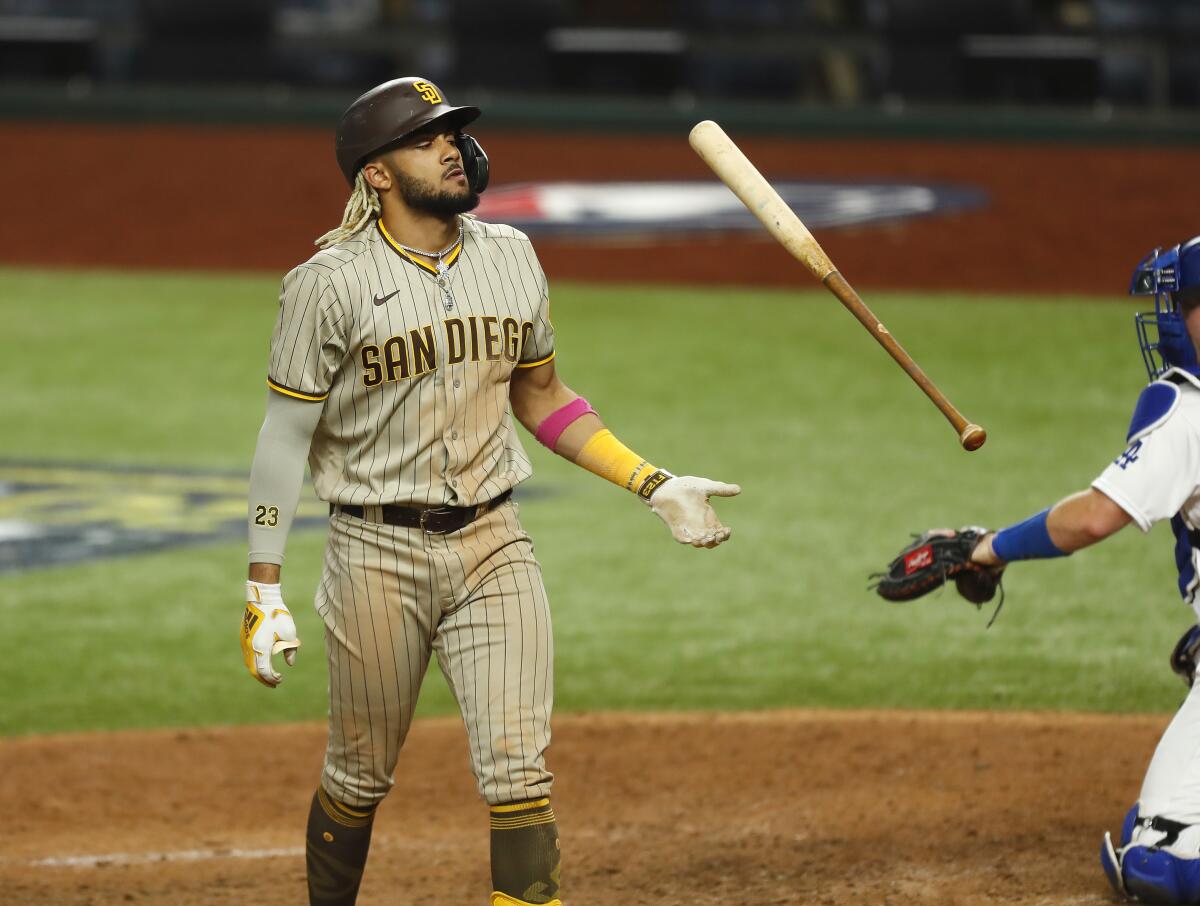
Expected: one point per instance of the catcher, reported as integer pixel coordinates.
(1157, 477)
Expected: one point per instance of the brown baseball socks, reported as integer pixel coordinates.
(335, 850)
(526, 863)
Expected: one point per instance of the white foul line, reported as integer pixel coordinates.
(181, 855)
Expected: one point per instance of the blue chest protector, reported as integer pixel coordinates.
(1155, 405)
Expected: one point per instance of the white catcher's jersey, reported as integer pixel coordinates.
(1158, 476)
(413, 372)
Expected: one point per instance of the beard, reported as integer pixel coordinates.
(428, 200)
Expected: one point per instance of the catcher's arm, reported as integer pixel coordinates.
(1072, 524)
(975, 558)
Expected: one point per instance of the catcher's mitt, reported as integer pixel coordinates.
(935, 557)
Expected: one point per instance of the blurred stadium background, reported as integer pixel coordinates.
(1035, 113)
(987, 172)
(1101, 54)
(165, 162)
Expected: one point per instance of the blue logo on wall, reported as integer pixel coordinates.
(67, 513)
(655, 209)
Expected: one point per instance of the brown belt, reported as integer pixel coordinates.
(434, 520)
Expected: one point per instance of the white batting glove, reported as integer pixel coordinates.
(682, 503)
(267, 629)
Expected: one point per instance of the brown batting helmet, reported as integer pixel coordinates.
(387, 113)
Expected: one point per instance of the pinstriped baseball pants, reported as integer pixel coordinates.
(390, 597)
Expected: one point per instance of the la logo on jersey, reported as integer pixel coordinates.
(427, 92)
(1130, 456)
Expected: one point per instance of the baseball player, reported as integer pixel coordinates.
(402, 349)
(1157, 477)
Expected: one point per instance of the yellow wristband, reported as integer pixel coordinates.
(607, 457)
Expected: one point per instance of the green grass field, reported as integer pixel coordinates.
(838, 454)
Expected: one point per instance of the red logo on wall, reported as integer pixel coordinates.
(652, 209)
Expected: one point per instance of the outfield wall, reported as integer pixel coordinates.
(1059, 217)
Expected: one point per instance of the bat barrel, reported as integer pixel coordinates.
(735, 170)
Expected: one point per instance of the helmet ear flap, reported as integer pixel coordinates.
(475, 161)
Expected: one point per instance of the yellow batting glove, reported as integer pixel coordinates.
(267, 629)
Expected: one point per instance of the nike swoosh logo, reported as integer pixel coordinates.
(379, 300)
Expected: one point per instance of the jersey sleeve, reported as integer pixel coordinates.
(1156, 474)
(537, 347)
(309, 340)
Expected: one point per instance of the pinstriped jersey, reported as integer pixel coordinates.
(411, 366)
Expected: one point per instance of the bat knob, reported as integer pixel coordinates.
(972, 437)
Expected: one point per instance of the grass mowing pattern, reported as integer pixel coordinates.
(839, 456)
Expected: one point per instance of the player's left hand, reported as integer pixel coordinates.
(682, 503)
(984, 554)
(267, 629)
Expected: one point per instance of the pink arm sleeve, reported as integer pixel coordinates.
(554, 424)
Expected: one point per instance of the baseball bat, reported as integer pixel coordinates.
(742, 177)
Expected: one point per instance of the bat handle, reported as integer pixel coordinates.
(970, 435)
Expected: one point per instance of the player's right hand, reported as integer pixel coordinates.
(267, 629)
(682, 503)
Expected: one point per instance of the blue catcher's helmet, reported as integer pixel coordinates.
(1162, 333)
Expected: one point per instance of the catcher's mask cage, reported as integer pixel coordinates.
(1162, 333)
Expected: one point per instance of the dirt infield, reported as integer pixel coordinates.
(1062, 217)
(758, 809)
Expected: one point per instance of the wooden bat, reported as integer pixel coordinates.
(735, 170)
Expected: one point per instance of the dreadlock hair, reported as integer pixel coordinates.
(361, 209)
